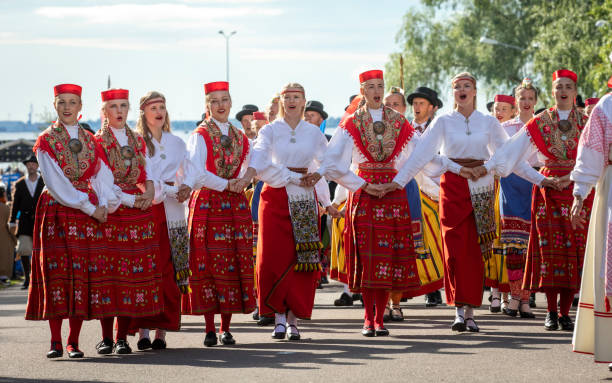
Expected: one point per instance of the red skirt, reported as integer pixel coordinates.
(279, 287)
(555, 252)
(378, 237)
(64, 241)
(220, 254)
(463, 263)
(170, 318)
(127, 280)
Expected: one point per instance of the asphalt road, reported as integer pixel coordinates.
(420, 349)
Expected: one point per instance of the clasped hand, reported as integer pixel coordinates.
(237, 185)
(380, 190)
(473, 173)
(100, 214)
(184, 192)
(310, 179)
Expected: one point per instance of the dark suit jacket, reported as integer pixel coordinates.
(26, 204)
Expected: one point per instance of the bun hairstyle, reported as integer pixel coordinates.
(526, 84)
(291, 87)
(141, 126)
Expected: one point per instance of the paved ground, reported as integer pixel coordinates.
(420, 349)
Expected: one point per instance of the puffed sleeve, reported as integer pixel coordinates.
(197, 155)
(275, 175)
(336, 164)
(426, 150)
(60, 187)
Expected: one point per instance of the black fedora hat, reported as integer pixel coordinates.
(490, 106)
(32, 158)
(247, 109)
(316, 106)
(426, 93)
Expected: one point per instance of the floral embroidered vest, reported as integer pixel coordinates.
(223, 161)
(127, 173)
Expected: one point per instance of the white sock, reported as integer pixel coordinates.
(160, 334)
(469, 312)
(459, 311)
(280, 319)
(346, 289)
(495, 292)
(143, 333)
(291, 318)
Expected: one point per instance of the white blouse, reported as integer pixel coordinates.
(343, 158)
(455, 136)
(62, 189)
(170, 163)
(512, 127)
(198, 153)
(278, 148)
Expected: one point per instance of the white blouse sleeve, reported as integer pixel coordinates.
(60, 187)
(321, 187)
(197, 155)
(426, 150)
(340, 195)
(336, 164)
(102, 183)
(267, 171)
(510, 155)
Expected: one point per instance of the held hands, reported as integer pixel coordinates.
(237, 185)
(564, 181)
(100, 214)
(380, 190)
(310, 179)
(551, 182)
(143, 201)
(578, 215)
(473, 173)
(183, 194)
(333, 212)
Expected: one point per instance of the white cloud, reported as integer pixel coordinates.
(160, 15)
(316, 55)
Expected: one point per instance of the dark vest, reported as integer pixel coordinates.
(24, 203)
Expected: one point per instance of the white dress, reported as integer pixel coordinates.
(593, 330)
(170, 164)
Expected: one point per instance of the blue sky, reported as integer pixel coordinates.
(174, 47)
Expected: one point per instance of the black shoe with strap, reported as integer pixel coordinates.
(495, 309)
(566, 323)
(552, 321)
(430, 300)
(210, 339)
(279, 334)
(439, 297)
(382, 331)
(227, 338)
(122, 347)
(105, 346)
(294, 334)
(459, 324)
(344, 300)
(368, 332)
(73, 351)
(56, 350)
(158, 344)
(471, 325)
(143, 344)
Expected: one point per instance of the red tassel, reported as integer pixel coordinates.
(607, 305)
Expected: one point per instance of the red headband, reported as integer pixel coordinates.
(565, 73)
(152, 101)
(115, 94)
(591, 101)
(216, 86)
(371, 74)
(67, 88)
(504, 98)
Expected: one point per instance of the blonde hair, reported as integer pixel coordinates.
(396, 90)
(141, 126)
(104, 103)
(291, 85)
(464, 76)
(526, 84)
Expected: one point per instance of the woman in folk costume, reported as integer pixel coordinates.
(172, 180)
(220, 226)
(515, 210)
(593, 332)
(288, 247)
(67, 230)
(467, 138)
(429, 281)
(555, 251)
(496, 274)
(129, 276)
(374, 140)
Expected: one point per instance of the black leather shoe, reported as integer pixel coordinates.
(227, 339)
(265, 321)
(122, 347)
(459, 324)
(158, 344)
(210, 339)
(344, 300)
(575, 302)
(471, 325)
(566, 323)
(56, 350)
(532, 302)
(74, 352)
(294, 334)
(552, 321)
(494, 309)
(279, 334)
(105, 346)
(430, 300)
(256, 314)
(381, 331)
(510, 312)
(439, 297)
(368, 331)
(143, 344)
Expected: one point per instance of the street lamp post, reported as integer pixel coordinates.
(486, 40)
(227, 37)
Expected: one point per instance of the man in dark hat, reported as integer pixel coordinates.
(245, 116)
(425, 103)
(25, 197)
(314, 113)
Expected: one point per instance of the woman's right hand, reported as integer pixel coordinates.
(100, 214)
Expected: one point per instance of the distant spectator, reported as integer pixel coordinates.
(7, 241)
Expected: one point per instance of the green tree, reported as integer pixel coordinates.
(537, 37)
